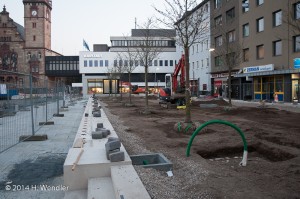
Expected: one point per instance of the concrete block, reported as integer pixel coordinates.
(25, 138)
(112, 145)
(97, 114)
(86, 114)
(110, 152)
(99, 125)
(46, 123)
(105, 132)
(117, 156)
(112, 139)
(97, 135)
(58, 115)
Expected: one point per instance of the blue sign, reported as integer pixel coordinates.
(296, 63)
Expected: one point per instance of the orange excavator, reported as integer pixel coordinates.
(174, 92)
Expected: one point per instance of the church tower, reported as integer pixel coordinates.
(37, 24)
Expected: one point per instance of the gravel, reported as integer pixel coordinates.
(188, 181)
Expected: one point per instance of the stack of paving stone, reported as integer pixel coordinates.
(100, 132)
(96, 109)
(113, 152)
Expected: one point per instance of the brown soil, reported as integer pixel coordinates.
(273, 136)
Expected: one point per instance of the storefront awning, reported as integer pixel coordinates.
(265, 73)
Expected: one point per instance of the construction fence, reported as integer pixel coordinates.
(27, 103)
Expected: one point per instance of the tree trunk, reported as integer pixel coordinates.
(229, 86)
(146, 86)
(187, 86)
(130, 88)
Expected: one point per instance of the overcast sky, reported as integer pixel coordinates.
(92, 20)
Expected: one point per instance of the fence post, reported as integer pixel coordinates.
(46, 94)
(31, 103)
(57, 97)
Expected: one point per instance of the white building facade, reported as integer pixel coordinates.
(96, 67)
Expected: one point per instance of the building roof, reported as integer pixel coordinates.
(20, 30)
(153, 32)
(47, 2)
(189, 12)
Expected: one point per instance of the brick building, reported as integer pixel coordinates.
(23, 49)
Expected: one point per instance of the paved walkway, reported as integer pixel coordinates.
(35, 169)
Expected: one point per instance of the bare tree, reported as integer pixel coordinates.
(128, 59)
(147, 51)
(191, 25)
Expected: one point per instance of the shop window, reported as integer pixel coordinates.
(257, 84)
(279, 84)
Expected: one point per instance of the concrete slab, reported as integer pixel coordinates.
(100, 188)
(127, 183)
(78, 194)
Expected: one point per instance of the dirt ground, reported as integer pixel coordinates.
(273, 136)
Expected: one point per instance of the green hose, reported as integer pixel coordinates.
(244, 160)
(178, 127)
(187, 128)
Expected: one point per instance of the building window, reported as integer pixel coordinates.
(201, 46)
(160, 62)
(207, 62)
(101, 63)
(193, 47)
(166, 63)
(218, 3)
(246, 30)
(171, 63)
(245, 6)
(155, 62)
(246, 55)
(277, 18)
(85, 63)
(297, 10)
(260, 24)
(277, 48)
(90, 63)
(33, 25)
(296, 43)
(34, 38)
(96, 63)
(106, 63)
(218, 61)
(219, 41)
(197, 48)
(259, 2)
(218, 21)
(120, 62)
(197, 64)
(115, 63)
(230, 15)
(206, 44)
(202, 63)
(39, 55)
(231, 36)
(260, 52)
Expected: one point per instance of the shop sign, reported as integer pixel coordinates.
(254, 69)
(92, 56)
(296, 63)
(221, 75)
